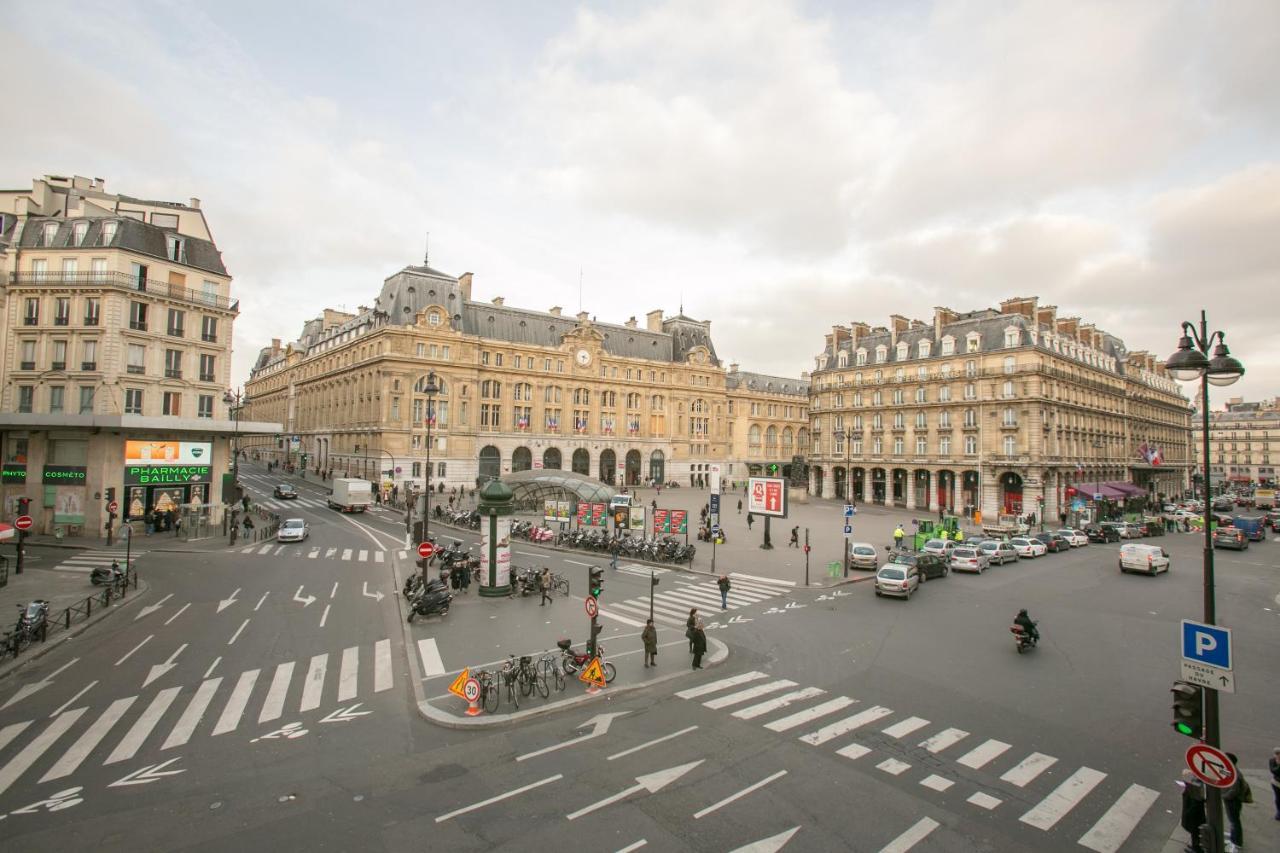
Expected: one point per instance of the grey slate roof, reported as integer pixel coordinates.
(767, 384)
(135, 236)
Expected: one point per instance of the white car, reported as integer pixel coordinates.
(897, 580)
(941, 547)
(1148, 559)
(1074, 537)
(862, 555)
(292, 530)
(1028, 547)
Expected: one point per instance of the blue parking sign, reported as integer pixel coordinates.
(1206, 644)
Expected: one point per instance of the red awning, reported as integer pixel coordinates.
(7, 531)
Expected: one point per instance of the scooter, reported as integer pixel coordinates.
(104, 575)
(430, 604)
(33, 621)
(571, 661)
(1022, 638)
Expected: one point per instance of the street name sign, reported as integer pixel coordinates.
(1211, 766)
(1209, 676)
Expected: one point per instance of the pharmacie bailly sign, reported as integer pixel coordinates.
(167, 463)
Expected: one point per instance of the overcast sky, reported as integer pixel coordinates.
(777, 166)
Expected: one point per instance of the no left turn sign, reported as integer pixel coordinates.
(1211, 766)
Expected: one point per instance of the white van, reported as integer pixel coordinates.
(1138, 557)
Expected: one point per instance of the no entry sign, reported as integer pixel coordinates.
(113, 507)
(22, 522)
(426, 549)
(1211, 766)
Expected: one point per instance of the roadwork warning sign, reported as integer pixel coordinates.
(593, 674)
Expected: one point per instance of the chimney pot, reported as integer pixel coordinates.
(555, 310)
(194, 202)
(498, 300)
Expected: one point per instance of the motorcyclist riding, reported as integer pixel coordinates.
(1027, 625)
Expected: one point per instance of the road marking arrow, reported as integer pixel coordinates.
(772, 844)
(161, 668)
(228, 601)
(152, 608)
(306, 602)
(148, 774)
(793, 605)
(27, 689)
(345, 715)
(652, 782)
(377, 593)
(738, 620)
(600, 724)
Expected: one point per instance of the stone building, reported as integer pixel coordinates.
(1004, 411)
(115, 354)
(1244, 443)
(517, 390)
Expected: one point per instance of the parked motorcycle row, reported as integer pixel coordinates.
(668, 549)
(532, 532)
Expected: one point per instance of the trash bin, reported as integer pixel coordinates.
(59, 533)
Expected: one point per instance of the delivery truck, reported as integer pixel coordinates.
(351, 495)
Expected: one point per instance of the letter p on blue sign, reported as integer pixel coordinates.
(1206, 644)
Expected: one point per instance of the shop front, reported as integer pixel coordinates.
(166, 478)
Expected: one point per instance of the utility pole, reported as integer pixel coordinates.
(806, 556)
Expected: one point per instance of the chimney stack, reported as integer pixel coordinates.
(653, 320)
(464, 284)
(194, 202)
(555, 310)
(498, 300)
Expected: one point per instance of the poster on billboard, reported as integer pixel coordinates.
(136, 504)
(549, 510)
(167, 452)
(68, 505)
(502, 553)
(637, 518)
(767, 496)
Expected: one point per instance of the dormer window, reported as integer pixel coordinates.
(923, 348)
(108, 233)
(861, 358)
(973, 342)
(1012, 337)
(174, 247)
(842, 360)
(48, 233)
(948, 345)
(882, 353)
(433, 318)
(78, 232)
(903, 351)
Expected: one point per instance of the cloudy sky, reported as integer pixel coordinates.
(778, 167)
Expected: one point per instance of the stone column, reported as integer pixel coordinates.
(829, 483)
(813, 480)
(866, 486)
(933, 492)
(911, 489)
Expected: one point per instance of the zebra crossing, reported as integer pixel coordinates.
(672, 606)
(236, 696)
(87, 561)
(280, 506)
(922, 748)
(318, 552)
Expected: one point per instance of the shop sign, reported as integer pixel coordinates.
(14, 473)
(65, 475)
(168, 453)
(165, 475)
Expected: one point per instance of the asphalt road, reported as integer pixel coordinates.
(261, 700)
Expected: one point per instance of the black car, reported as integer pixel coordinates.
(1054, 542)
(928, 565)
(1102, 533)
(285, 492)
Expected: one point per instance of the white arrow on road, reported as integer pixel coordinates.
(152, 608)
(345, 715)
(772, 844)
(738, 620)
(377, 593)
(228, 601)
(161, 668)
(27, 689)
(794, 605)
(600, 724)
(306, 602)
(652, 782)
(148, 774)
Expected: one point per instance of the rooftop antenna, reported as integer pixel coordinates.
(426, 252)
(682, 303)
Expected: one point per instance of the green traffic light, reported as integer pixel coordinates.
(1184, 729)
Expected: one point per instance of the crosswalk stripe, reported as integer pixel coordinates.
(1114, 827)
(1063, 798)
(712, 687)
(363, 556)
(782, 701)
(690, 599)
(315, 552)
(249, 550)
(128, 747)
(31, 753)
(79, 751)
(766, 582)
(663, 607)
(916, 833)
(893, 766)
(273, 707)
(749, 593)
(347, 673)
(1028, 769)
(235, 706)
(266, 549)
(313, 687)
(642, 610)
(329, 552)
(749, 693)
(11, 731)
(853, 751)
(623, 619)
(194, 712)
(808, 715)
(346, 553)
(944, 739)
(983, 754)
(906, 727)
(848, 724)
(382, 666)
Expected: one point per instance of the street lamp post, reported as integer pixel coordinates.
(430, 390)
(1191, 362)
(234, 399)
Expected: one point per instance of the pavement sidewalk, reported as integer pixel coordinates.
(521, 627)
(1257, 820)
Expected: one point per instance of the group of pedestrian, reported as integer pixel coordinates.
(696, 632)
(160, 521)
(1234, 799)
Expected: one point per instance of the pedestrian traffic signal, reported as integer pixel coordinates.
(597, 582)
(1188, 709)
(111, 493)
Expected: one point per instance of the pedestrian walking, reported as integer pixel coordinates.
(149, 522)
(689, 626)
(699, 643)
(795, 537)
(614, 548)
(544, 585)
(724, 592)
(1234, 798)
(898, 535)
(244, 502)
(649, 636)
(177, 525)
(1274, 764)
(750, 520)
(739, 506)
(1193, 816)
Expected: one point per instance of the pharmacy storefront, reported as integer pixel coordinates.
(163, 476)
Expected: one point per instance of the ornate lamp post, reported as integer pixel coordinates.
(1191, 362)
(430, 390)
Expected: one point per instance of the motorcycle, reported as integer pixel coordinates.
(33, 621)
(430, 604)
(571, 661)
(1022, 638)
(103, 575)
(413, 585)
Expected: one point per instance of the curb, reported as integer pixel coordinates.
(75, 631)
(719, 653)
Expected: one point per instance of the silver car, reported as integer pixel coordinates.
(999, 552)
(862, 555)
(292, 530)
(897, 580)
(969, 560)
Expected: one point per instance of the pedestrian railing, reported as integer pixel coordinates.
(12, 642)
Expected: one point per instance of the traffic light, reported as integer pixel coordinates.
(597, 582)
(1188, 709)
(111, 493)
(24, 506)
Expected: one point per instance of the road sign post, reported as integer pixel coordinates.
(23, 524)
(806, 556)
(1206, 656)
(471, 692)
(1211, 765)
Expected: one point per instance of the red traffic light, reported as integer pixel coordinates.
(806, 549)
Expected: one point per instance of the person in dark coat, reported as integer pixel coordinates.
(1233, 800)
(649, 636)
(751, 519)
(690, 624)
(1193, 815)
(723, 583)
(1274, 764)
(699, 643)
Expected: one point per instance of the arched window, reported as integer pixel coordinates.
(633, 400)
(581, 397)
(656, 404)
(753, 437)
(882, 353)
(523, 392)
(491, 389)
(788, 440)
(771, 439)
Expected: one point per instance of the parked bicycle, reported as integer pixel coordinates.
(532, 679)
(490, 694)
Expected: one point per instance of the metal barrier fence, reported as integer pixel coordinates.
(12, 642)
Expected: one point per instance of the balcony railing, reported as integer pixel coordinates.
(125, 281)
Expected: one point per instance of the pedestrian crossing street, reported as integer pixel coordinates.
(87, 561)
(671, 606)
(218, 706)
(319, 552)
(812, 715)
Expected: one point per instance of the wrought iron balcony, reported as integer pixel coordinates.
(125, 282)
